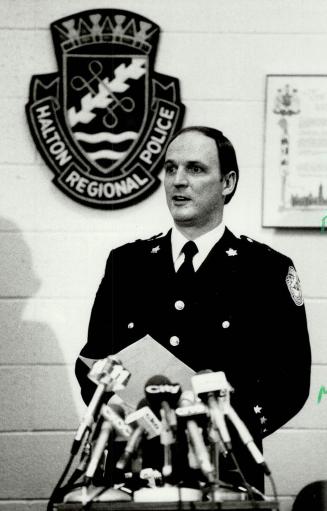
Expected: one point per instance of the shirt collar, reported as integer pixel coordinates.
(205, 242)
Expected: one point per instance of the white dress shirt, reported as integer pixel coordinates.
(204, 244)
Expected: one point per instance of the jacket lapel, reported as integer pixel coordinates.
(160, 261)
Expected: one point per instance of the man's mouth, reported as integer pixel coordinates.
(180, 199)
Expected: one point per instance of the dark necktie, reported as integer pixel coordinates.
(186, 270)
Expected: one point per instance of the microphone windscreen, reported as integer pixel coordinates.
(158, 379)
(142, 403)
(187, 398)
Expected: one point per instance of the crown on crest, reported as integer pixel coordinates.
(97, 28)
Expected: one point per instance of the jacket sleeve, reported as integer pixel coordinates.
(99, 340)
(284, 364)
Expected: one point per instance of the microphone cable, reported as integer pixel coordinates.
(241, 473)
(273, 486)
(57, 488)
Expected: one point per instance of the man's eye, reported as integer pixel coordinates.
(196, 169)
(169, 169)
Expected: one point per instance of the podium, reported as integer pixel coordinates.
(271, 505)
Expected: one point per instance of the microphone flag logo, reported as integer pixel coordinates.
(103, 121)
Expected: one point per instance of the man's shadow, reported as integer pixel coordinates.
(38, 407)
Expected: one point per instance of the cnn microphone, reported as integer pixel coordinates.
(190, 413)
(163, 395)
(207, 385)
(147, 425)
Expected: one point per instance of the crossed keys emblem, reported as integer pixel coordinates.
(127, 104)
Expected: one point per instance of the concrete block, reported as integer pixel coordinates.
(33, 203)
(38, 398)
(42, 331)
(34, 505)
(317, 323)
(234, 67)
(16, 143)
(50, 264)
(54, 405)
(32, 463)
(32, 49)
(16, 398)
(223, 16)
(296, 458)
(314, 413)
(20, 197)
(57, 265)
(18, 277)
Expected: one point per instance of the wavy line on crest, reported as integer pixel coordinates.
(113, 138)
(106, 154)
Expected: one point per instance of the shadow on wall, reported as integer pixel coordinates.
(35, 391)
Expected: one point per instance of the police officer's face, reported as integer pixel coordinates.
(193, 181)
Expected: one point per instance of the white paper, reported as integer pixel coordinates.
(146, 358)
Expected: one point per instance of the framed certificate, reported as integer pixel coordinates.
(295, 151)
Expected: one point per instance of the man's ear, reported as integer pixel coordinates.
(229, 183)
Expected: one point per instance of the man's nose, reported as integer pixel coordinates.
(180, 177)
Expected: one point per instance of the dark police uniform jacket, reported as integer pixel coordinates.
(243, 315)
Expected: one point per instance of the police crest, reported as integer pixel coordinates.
(294, 286)
(103, 122)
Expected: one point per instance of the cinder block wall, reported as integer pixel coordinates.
(53, 251)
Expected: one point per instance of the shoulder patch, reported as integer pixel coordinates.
(294, 287)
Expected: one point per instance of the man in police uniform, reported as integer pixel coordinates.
(226, 303)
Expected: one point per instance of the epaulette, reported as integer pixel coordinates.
(251, 241)
(261, 247)
(255, 243)
(156, 236)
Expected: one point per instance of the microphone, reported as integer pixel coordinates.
(218, 380)
(240, 426)
(112, 417)
(111, 377)
(190, 413)
(163, 395)
(111, 372)
(247, 440)
(147, 424)
(114, 414)
(207, 385)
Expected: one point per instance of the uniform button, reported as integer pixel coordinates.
(225, 324)
(174, 340)
(130, 326)
(179, 305)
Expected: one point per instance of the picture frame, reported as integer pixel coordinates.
(295, 151)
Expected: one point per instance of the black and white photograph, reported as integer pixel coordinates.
(163, 237)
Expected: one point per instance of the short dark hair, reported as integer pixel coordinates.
(226, 152)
